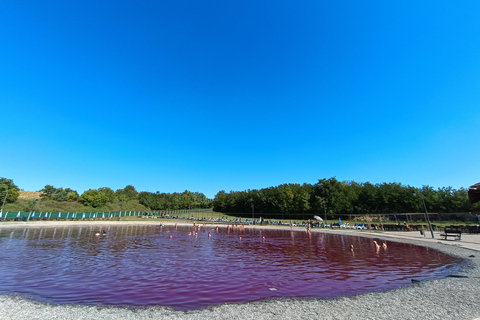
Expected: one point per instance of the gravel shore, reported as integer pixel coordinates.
(455, 297)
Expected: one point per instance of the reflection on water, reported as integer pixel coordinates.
(138, 265)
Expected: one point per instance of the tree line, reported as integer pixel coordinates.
(327, 196)
(333, 197)
(174, 201)
(98, 198)
(95, 198)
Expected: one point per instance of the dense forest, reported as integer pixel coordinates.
(332, 197)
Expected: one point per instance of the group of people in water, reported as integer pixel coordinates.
(241, 228)
(102, 233)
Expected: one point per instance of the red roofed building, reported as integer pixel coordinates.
(474, 193)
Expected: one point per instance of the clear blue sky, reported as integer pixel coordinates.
(234, 95)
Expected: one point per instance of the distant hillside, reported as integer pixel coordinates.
(24, 203)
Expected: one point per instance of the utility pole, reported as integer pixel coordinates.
(325, 210)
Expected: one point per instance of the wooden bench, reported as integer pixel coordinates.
(456, 234)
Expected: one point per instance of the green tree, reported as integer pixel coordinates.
(460, 202)
(108, 193)
(366, 202)
(334, 194)
(93, 198)
(127, 193)
(149, 200)
(61, 195)
(72, 195)
(8, 191)
(174, 201)
(220, 201)
(48, 192)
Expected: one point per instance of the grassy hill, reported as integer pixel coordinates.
(27, 198)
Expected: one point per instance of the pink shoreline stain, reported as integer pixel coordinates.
(163, 266)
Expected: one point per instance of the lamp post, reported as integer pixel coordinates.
(426, 212)
(325, 210)
(253, 212)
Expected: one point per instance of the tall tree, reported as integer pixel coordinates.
(93, 198)
(48, 192)
(8, 191)
(107, 192)
(127, 193)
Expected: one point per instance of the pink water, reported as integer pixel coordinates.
(151, 265)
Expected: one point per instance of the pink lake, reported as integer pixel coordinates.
(139, 265)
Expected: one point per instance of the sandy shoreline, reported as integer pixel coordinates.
(449, 298)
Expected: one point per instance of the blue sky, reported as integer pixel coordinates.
(233, 95)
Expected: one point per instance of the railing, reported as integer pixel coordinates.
(55, 215)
